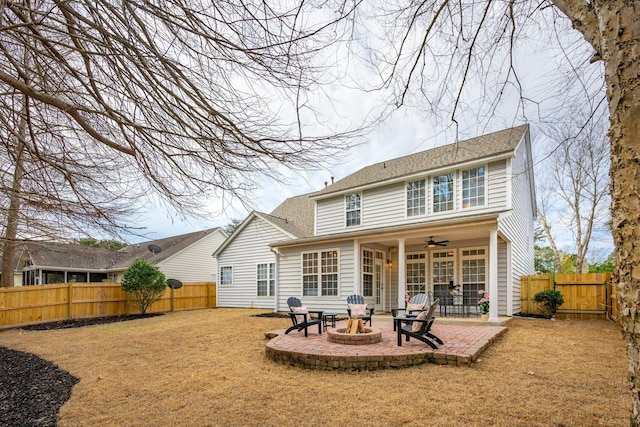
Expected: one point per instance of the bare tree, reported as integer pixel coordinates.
(574, 191)
(105, 103)
(441, 51)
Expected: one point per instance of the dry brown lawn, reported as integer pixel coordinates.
(208, 368)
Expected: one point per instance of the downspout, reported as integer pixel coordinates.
(277, 288)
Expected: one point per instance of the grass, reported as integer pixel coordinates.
(208, 368)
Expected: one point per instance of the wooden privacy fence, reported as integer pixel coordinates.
(47, 303)
(586, 296)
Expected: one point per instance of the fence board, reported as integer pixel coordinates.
(586, 296)
(47, 303)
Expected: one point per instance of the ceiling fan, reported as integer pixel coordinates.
(432, 243)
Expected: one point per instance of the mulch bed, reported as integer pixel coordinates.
(32, 390)
(77, 323)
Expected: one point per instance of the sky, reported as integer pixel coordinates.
(412, 128)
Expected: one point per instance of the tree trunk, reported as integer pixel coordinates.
(619, 25)
(13, 211)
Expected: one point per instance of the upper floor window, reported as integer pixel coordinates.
(416, 198)
(226, 276)
(473, 187)
(443, 193)
(353, 209)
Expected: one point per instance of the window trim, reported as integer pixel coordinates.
(221, 275)
(268, 279)
(347, 210)
(485, 187)
(426, 198)
(320, 273)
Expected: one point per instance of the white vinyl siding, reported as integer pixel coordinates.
(497, 184)
(386, 205)
(517, 227)
(248, 249)
(291, 273)
(195, 263)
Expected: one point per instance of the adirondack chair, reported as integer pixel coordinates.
(417, 305)
(359, 299)
(301, 317)
(418, 327)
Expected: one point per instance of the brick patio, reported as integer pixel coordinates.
(463, 343)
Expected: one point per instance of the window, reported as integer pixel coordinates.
(443, 193)
(473, 187)
(474, 263)
(353, 209)
(416, 274)
(443, 273)
(415, 198)
(320, 268)
(266, 280)
(226, 276)
(367, 273)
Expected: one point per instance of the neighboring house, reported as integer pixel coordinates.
(369, 233)
(187, 257)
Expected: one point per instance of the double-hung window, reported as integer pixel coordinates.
(443, 193)
(226, 276)
(320, 273)
(416, 198)
(352, 204)
(473, 187)
(266, 279)
(367, 272)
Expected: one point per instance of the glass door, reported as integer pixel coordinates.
(416, 270)
(443, 275)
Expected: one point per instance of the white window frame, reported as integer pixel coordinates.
(484, 187)
(453, 193)
(451, 255)
(410, 198)
(222, 276)
(368, 269)
(320, 273)
(463, 258)
(351, 208)
(269, 279)
(415, 288)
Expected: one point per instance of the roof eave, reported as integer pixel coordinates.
(387, 230)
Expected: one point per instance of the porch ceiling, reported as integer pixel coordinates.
(419, 237)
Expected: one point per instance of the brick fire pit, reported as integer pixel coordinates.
(370, 336)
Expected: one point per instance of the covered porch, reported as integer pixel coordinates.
(452, 263)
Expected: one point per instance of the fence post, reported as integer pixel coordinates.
(529, 294)
(70, 298)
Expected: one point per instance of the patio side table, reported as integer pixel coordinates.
(329, 317)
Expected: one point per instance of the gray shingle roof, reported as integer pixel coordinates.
(500, 142)
(296, 214)
(74, 256)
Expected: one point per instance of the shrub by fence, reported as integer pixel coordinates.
(47, 303)
(586, 296)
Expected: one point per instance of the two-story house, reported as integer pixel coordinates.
(449, 221)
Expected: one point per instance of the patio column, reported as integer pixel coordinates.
(493, 275)
(402, 274)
